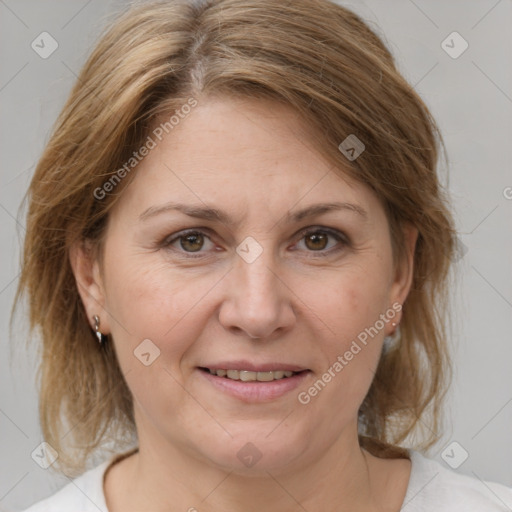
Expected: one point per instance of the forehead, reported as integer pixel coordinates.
(239, 154)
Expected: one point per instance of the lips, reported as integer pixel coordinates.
(251, 376)
(254, 382)
(247, 371)
(245, 365)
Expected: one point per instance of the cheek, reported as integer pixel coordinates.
(359, 296)
(145, 294)
(150, 299)
(353, 348)
(135, 299)
(154, 324)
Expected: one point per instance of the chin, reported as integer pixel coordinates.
(256, 453)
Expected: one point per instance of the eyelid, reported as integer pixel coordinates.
(340, 237)
(168, 240)
(336, 233)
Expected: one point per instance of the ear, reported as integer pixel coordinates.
(404, 270)
(89, 281)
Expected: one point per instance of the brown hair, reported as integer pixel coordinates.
(313, 55)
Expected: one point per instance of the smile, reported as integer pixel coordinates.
(251, 376)
(258, 384)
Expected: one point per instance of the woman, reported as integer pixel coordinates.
(238, 255)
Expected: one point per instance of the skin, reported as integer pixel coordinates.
(289, 305)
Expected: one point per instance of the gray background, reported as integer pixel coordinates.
(470, 96)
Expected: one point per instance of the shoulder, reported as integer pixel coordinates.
(85, 493)
(433, 486)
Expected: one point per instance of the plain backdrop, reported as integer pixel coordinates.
(471, 98)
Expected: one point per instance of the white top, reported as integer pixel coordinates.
(432, 487)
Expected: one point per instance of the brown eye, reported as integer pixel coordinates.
(324, 242)
(317, 241)
(189, 242)
(192, 242)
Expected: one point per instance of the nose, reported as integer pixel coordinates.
(258, 302)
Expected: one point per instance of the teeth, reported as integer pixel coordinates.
(247, 376)
(265, 376)
(250, 376)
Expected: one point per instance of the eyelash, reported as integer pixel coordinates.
(338, 236)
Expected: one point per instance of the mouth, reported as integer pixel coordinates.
(249, 383)
(251, 376)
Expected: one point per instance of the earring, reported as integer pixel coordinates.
(392, 338)
(97, 331)
(396, 332)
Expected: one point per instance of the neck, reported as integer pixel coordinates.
(157, 479)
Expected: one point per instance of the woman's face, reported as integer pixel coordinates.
(266, 288)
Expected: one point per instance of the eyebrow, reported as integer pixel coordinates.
(214, 214)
